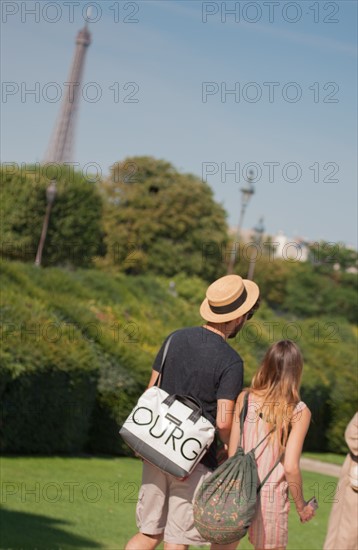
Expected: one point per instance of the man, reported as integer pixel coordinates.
(201, 364)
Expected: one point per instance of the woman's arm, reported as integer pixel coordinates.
(291, 464)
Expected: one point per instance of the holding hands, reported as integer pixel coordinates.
(308, 511)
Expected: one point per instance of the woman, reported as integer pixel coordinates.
(343, 527)
(274, 402)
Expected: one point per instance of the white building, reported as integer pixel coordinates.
(292, 249)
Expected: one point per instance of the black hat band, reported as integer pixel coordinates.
(230, 307)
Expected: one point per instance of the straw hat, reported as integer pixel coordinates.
(228, 298)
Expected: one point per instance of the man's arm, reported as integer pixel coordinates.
(235, 432)
(224, 418)
(230, 385)
(153, 378)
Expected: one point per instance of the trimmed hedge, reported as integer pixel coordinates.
(77, 349)
(47, 411)
(73, 361)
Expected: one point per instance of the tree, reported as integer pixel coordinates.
(272, 277)
(74, 233)
(327, 257)
(309, 293)
(160, 220)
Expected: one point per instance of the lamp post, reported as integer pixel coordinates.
(50, 196)
(246, 194)
(258, 232)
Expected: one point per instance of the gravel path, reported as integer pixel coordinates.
(320, 467)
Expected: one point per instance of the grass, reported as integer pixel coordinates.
(82, 503)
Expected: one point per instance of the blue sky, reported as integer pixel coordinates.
(292, 118)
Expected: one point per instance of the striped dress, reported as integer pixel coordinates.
(269, 529)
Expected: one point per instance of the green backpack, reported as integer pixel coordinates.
(225, 503)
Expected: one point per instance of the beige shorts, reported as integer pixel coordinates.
(165, 505)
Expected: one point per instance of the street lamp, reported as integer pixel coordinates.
(50, 197)
(246, 194)
(258, 232)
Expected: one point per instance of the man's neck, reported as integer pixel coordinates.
(216, 330)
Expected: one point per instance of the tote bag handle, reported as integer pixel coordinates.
(160, 372)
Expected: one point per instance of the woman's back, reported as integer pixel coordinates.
(274, 401)
(270, 524)
(255, 429)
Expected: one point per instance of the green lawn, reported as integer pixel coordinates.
(70, 503)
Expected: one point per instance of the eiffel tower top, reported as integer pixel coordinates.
(84, 37)
(61, 147)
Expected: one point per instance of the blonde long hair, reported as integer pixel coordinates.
(278, 381)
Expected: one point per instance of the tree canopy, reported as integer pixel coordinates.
(162, 221)
(302, 290)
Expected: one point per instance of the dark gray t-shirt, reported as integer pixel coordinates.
(201, 364)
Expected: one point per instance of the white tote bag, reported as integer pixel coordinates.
(168, 431)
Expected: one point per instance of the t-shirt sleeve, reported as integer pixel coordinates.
(158, 360)
(231, 381)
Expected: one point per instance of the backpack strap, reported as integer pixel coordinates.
(263, 439)
(268, 475)
(242, 420)
(276, 463)
(243, 415)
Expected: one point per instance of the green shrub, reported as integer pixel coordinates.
(74, 235)
(78, 346)
(117, 393)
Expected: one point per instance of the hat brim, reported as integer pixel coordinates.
(253, 293)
